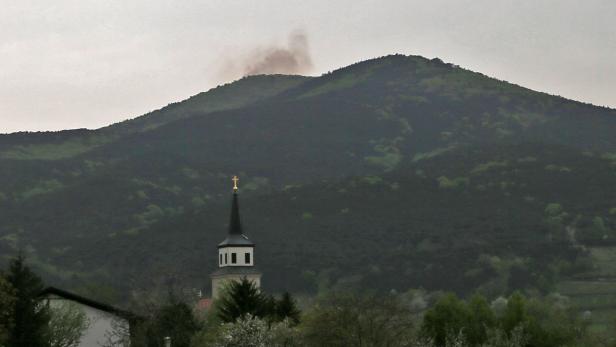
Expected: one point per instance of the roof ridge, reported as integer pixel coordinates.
(88, 302)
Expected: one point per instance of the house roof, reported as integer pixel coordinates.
(204, 304)
(88, 302)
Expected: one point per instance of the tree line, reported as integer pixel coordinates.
(246, 316)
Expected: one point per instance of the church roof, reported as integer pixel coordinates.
(236, 236)
(235, 225)
(236, 240)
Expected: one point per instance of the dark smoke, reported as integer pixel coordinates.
(290, 60)
(294, 59)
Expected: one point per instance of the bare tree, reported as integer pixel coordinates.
(67, 324)
(119, 336)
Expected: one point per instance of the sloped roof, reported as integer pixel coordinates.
(236, 236)
(236, 240)
(87, 302)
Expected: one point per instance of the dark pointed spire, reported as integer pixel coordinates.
(235, 225)
(236, 235)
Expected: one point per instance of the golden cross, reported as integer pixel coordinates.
(235, 179)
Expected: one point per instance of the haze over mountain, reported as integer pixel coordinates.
(87, 65)
(398, 172)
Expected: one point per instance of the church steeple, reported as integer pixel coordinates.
(236, 252)
(236, 235)
(235, 224)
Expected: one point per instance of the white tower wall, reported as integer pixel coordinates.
(225, 256)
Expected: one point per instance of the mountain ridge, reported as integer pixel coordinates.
(491, 170)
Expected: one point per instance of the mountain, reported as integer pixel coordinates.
(393, 173)
(65, 144)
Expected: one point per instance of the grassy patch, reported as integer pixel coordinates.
(489, 166)
(604, 259)
(454, 183)
(528, 159)
(418, 99)
(465, 84)
(66, 149)
(390, 155)
(44, 187)
(427, 155)
(347, 80)
(372, 180)
(388, 160)
(596, 292)
(524, 119)
(190, 173)
(609, 156)
(552, 167)
(11, 240)
(588, 287)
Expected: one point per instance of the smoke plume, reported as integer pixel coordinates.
(292, 59)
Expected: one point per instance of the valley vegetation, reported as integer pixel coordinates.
(245, 316)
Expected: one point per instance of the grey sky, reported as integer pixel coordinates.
(89, 63)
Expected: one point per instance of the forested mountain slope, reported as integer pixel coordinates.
(392, 173)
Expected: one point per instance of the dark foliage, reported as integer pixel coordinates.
(30, 317)
(352, 319)
(543, 323)
(286, 308)
(173, 319)
(241, 298)
(7, 307)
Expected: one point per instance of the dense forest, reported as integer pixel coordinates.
(391, 174)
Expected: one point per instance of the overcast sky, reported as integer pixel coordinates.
(89, 63)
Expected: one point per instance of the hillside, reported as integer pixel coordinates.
(393, 173)
(66, 144)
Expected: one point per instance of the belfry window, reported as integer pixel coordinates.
(247, 258)
(233, 258)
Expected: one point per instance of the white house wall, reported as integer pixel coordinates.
(101, 323)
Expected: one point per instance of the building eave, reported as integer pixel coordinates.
(88, 302)
(235, 271)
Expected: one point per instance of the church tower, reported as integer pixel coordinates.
(235, 254)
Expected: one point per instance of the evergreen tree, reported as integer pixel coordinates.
(31, 319)
(481, 321)
(448, 317)
(287, 308)
(175, 320)
(7, 307)
(269, 308)
(241, 298)
(515, 314)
